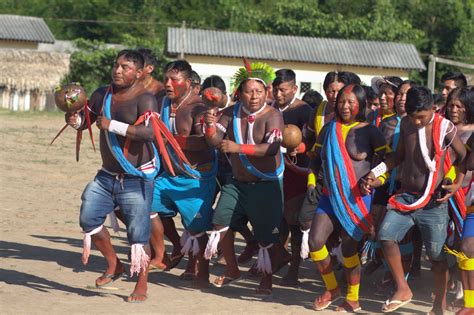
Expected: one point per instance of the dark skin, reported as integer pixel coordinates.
(414, 178)
(129, 101)
(297, 114)
(189, 111)
(386, 98)
(265, 159)
(361, 142)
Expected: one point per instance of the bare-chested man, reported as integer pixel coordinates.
(347, 147)
(191, 191)
(295, 112)
(424, 137)
(121, 179)
(251, 132)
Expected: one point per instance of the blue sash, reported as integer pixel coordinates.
(336, 180)
(165, 117)
(117, 151)
(393, 175)
(270, 176)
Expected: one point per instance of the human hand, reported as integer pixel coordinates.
(210, 117)
(102, 123)
(312, 194)
(228, 146)
(448, 189)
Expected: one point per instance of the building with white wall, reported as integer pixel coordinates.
(221, 52)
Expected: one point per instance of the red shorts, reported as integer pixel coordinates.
(294, 183)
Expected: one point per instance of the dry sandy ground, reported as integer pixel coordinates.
(40, 247)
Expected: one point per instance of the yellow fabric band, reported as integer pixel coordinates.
(466, 264)
(319, 118)
(382, 147)
(468, 298)
(384, 177)
(319, 254)
(318, 145)
(311, 179)
(351, 262)
(387, 116)
(330, 281)
(353, 292)
(451, 174)
(345, 129)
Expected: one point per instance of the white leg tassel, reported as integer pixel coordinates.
(213, 242)
(190, 243)
(140, 259)
(86, 249)
(304, 252)
(264, 263)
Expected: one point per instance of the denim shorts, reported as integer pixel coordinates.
(133, 196)
(432, 220)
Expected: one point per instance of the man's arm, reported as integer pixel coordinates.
(216, 129)
(77, 120)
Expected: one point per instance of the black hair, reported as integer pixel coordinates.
(133, 56)
(466, 97)
(214, 81)
(180, 65)
(359, 93)
(312, 98)
(284, 75)
(195, 79)
(148, 56)
(345, 77)
(418, 98)
(394, 85)
(241, 86)
(458, 77)
(370, 94)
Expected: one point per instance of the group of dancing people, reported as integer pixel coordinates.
(380, 170)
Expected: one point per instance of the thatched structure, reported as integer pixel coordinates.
(28, 78)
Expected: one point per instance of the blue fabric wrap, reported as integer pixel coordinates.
(458, 220)
(270, 176)
(393, 175)
(165, 117)
(334, 158)
(117, 151)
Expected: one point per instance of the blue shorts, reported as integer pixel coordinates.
(468, 228)
(324, 205)
(192, 198)
(105, 192)
(432, 220)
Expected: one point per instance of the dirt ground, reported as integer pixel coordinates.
(40, 247)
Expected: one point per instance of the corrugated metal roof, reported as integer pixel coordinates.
(293, 48)
(24, 28)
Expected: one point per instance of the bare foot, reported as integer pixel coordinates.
(227, 278)
(323, 301)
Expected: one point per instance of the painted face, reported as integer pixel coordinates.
(456, 111)
(374, 104)
(348, 106)
(421, 118)
(125, 72)
(386, 96)
(331, 92)
(176, 84)
(253, 95)
(401, 99)
(448, 86)
(284, 93)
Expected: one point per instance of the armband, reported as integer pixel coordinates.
(383, 178)
(382, 147)
(451, 174)
(118, 127)
(210, 130)
(311, 179)
(379, 169)
(247, 149)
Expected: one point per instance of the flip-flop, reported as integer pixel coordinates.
(264, 293)
(134, 295)
(155, 268)
(226, 280)
(326, 305)
(397, 306)
(110, 278)
(347, 308)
